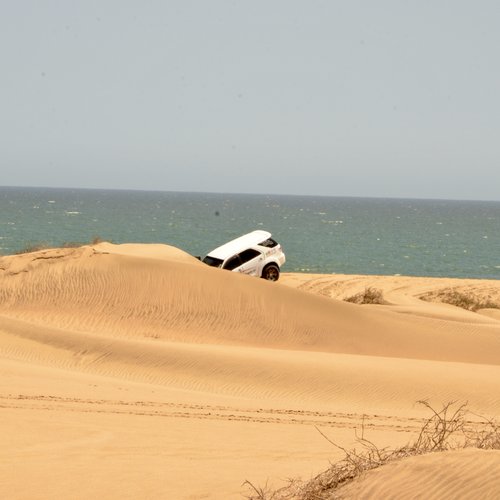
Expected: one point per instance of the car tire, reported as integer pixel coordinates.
(271, 272)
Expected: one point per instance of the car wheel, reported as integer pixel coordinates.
(271, 272)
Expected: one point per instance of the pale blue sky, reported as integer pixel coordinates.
(353, 98)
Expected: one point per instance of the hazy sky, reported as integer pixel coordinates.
(351, 98)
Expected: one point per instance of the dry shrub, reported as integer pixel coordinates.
(76, 244)
(466, 300)
(369, 296)
(72, 244)
(261, 492)
(446, 429)
(33, 247)
(97, 239)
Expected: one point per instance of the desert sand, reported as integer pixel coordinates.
(135, 371)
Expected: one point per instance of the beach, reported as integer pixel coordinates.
(135, 371)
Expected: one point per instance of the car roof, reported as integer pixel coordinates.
(239, 244)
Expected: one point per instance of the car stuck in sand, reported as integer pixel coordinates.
(255, 253)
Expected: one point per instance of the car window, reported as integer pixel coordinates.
(249, 254)
(270, 243)
(232, 263)
(212, 261)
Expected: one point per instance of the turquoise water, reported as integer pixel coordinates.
(319, 234)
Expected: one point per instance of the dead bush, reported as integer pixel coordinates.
(466, 300)
(368, 296)
(446, 429)
(33, 247)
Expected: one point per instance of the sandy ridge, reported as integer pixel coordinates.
(179, 301)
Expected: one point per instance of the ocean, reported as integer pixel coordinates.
(319, 234)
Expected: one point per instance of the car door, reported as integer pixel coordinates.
(250, 260)
(233, 263)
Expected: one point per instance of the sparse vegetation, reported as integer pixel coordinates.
(466, 300)
(447, 429)
(35, 247)
(368, 296)
(72, 244)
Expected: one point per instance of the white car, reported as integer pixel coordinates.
(255, 253)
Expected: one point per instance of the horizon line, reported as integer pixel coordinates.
(247, 194)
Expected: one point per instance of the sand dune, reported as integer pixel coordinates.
(465, 474)
(179, 299)
(107, 343)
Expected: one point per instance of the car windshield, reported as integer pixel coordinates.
(270, 243)
(212, 261)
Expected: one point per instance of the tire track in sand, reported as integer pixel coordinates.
(211, 412)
